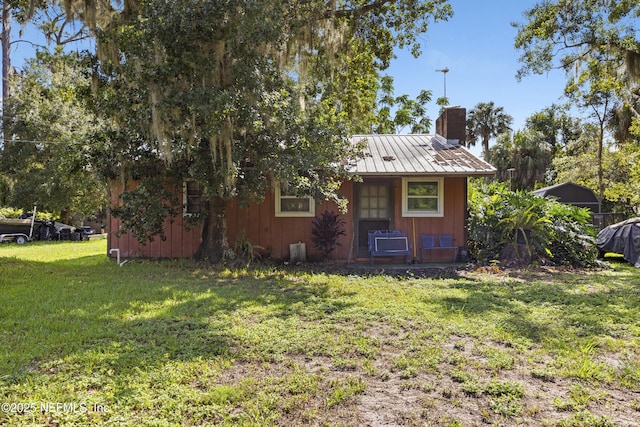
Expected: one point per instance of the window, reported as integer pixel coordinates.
(374, 201)
(422, 197)
(288, 204)
(192, 197)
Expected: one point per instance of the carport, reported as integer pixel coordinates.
(571, 194)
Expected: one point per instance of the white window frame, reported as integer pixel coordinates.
(405, 197)
(185, 200)
(284, 214)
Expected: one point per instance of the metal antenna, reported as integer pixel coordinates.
(444, 72)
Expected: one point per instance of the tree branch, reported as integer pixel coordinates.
(344, 13)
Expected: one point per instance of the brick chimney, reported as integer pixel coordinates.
(452, 124)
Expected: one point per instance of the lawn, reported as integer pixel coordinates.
(85, 342)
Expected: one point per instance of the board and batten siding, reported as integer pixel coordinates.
(257, 222)
(259, 225)
(453, 222)
(180, 242)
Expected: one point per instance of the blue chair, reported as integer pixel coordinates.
(445, 241)
(427, 242)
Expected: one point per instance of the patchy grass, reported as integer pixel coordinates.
(85, 342)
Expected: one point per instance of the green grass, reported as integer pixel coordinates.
(85, 342)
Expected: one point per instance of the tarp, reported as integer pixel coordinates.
(622, 238)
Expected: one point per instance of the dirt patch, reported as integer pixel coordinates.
(461, 390)
(437, 399)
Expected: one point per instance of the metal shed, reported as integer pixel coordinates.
(571, 194)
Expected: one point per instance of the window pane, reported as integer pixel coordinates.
(294, 205)
(373, 201)
(423, 204)
(287, 193)
(194, 196)
(422, 189)
(193, 204)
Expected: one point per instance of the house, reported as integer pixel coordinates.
(571, 194)
(413, 183)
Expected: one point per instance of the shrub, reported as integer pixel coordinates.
(327, 228)
(16, 213)
(538, 228)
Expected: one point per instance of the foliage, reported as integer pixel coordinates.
(548, 230)
(45, 156)
(327, 229)
(595, 43)
(525, 224)
(406, 111)
(244, 249)
(621, 171)
(486, 121)
(621, 124)
(248, 94)
(523, 159)
(622, 179)
(572, 239)
(555, 125)
(150, 200)
(188, 344)
(51, 19)
(8, 212)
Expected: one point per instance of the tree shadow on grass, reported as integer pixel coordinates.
(396, 270)
(89, 312)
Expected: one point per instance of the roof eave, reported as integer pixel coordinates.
(400, 174)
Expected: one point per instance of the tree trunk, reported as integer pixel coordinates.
(214, 232)
(600, 169)
(602, 118)
(65, 216)
(485, 147)
(6, 50)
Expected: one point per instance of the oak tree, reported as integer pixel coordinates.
(45, 155)
(240, 96)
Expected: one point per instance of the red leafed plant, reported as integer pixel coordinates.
(327, 228)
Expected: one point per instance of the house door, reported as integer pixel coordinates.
(374, 211)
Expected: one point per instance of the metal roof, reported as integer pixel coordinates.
(416, 154)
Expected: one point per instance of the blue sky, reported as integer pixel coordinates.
(476, 45)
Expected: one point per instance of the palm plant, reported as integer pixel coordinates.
(486, 121)
(526, 224)
(527, 154)
(507, 225)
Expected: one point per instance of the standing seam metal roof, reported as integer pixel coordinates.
(417, 154)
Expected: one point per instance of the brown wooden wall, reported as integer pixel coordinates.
(260, 225)
(453, 222)
(257, 222)
(180, 242)
(274, 234)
